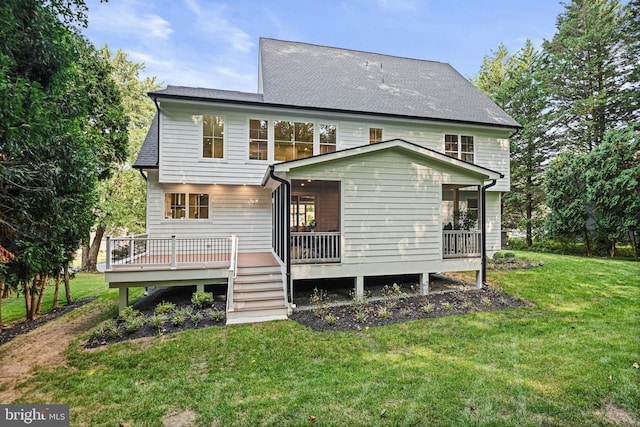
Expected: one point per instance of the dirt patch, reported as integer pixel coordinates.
(9, 332)
(182, 419)
(618, 416)
(43, 346)
(395, 310)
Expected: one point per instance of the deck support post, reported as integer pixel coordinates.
(360, 286)
(424, 283)
(123, 299)
(200, 287)
(479, 279)
(174, 262)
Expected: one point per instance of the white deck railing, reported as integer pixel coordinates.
(315, 247)
(461, 243)
(140, 250)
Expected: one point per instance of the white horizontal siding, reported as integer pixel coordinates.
(241, 210)
(181, 147)
(493, 223)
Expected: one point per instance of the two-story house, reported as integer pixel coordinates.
(344, 164)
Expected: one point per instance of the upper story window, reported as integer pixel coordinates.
(375, 135)
(183, 206)
(258, 139)
(327, 138)
(292, 140)
(459, 146)
(213, 137)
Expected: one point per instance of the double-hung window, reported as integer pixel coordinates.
(375, 135)
(186, 205)
(292, 140)
(459, 146)
(213, 137)
(258, 139)
(327, 138)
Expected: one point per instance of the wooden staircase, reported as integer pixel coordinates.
(258, 293)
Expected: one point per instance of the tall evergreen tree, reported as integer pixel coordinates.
(586, 74)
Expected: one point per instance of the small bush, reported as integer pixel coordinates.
(128, 313)
(216, 315)
(384, 313)
(509, 255)
(331, 320)
(498, 255)
(164, 307)
(466, 305)
(201, 299)
(196, 318)
(134, 323)
(361, 317)
(406, 312)
(157, 320)
(428, 308)
(319, 302)
(486, 302)
(447, 306)
(180, 316)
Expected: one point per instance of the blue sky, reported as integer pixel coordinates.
(214, 44)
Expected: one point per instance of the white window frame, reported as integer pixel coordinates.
(200, 121)
(187, 206)
(269, 140)
(459, 154)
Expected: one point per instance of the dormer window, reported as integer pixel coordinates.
(213, 137)
(459, 146)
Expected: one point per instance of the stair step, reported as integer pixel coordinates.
(259, 308)
(241, 289)
(244, 281)
(260, 298)
(258, 304)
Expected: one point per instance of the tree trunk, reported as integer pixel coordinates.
(42, 286)
(586, 239)
(529, 205)
(1, 293)
(612, 248)
(67, 288)
(92, 255)
(7, 292)
(85, 254)
(33, 303)
(56, 294)
(27, 300)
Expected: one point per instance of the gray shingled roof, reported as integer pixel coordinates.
(148, 155)
(207, 94)
(306, 75)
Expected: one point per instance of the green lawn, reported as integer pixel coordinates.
(563, 361)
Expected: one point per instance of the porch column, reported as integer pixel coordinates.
(123, 298)
(360, 286)
(200, 287)
(424, 283)
(479, 279)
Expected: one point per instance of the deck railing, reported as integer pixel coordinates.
(315, 247)
(144, 251)
(461, 243)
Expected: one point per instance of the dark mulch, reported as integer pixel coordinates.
(345, 317)
(11, 331)
(181, 297)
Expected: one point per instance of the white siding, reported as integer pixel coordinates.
(181, 145)
(391, 209)
(243, 210)
(493, 223)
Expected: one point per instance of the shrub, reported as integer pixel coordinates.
(158, 320)
(384, 313)
(319, 303)
(447, 306)
(196, 318)
(331, 320)
(486, 302)
(216, 315)
(164, 307)
(428, 308)
(201, 299)
(406, 312)
(361, 317)
(180, 316)
(128, 313)
(133, 323)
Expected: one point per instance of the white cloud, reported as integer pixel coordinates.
(125, 18)
(214, 24)
(193, 5)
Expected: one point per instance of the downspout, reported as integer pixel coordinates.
(155, 101)
(483, 274)
(143, 175)
(287, 242)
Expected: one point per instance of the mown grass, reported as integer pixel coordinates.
(560, 362)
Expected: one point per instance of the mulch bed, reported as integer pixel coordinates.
(9, 332)
(345, 317)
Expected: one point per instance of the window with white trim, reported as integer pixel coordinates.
(186, 206)
(212, 137)
(375, 135)
(459, 146)
(292, 140)
(327, 138)
(258, 139)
